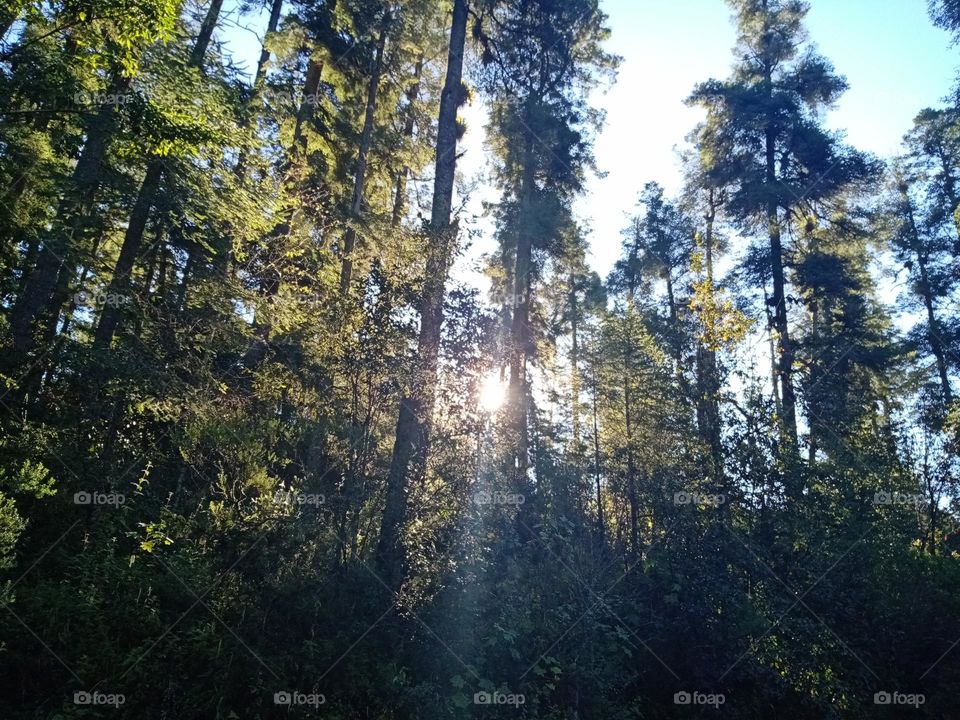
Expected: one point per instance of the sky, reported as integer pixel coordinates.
(895, 61)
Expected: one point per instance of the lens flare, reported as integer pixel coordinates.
(493, 391)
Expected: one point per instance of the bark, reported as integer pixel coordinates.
(784, 348)
(360, 174)
(774, 381)
(61, 248)
(574, 364)
(631, 466)
(708, 409)
(206, 34)
(676, 342)
(400, 193)
(111, 315)
(596, 465)
(311, 86)
(258, 78)
(413, 423)
(815, 376)
(272, 24)
(934, 334)
(296, 154)
(520, 325)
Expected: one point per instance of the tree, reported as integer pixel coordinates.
(921, 247)
(762, 140)
(411, 441)
(658, 245)
(259, 494)
(933, 159)
(146, 199)
(945, 14)
(542, 59)
(37, 308)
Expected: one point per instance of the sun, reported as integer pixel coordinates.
(493, 391)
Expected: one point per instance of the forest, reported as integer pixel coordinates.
(265, 452)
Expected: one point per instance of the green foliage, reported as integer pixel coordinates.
(190, 510)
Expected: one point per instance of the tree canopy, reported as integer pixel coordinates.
(265, 452)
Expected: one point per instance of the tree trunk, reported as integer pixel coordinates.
(631, 468)
(596, 464)
(574, 365)
(111, 315)
(360, 174)
(210, 21)
(272, 24)
(61, 248)
(934, 335)
(709, 391)
(311, 86)
(784, 365)
(774, 380)
(400, 193)
(416, 410)
(258, 78)
(296, 155)
(520, 325)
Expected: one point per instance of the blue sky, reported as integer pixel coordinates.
(895, 61)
